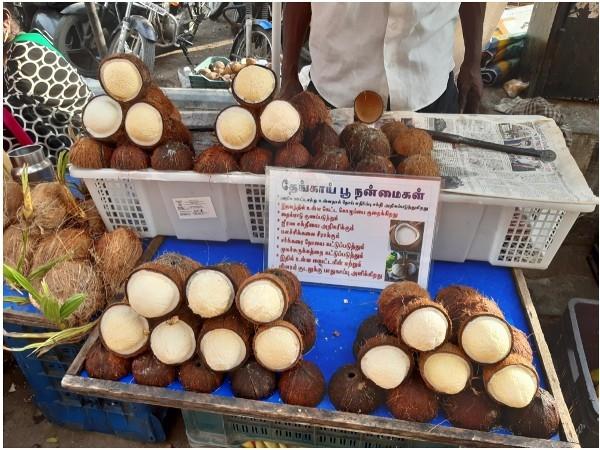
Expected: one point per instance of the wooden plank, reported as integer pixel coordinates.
(544, 352)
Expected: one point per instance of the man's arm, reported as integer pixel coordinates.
(296, 20)
(470, 85)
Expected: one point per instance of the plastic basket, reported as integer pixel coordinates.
(44, 374)
(199, 81)
(503, 232)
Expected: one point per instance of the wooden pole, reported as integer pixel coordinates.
(96, 28)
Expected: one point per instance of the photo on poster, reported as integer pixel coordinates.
(405, 242)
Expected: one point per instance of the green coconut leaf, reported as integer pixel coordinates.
(15, 299)
(41, 271)
(53, 339)
(71, 305)
(48, 305)
(16, 278)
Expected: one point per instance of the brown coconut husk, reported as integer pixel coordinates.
(312, 109)
(538, 420)
(320, 138)
(252, 381)
(349, 390)
(512, 359)
(412, 400)
(450, 296)
(196, 376)
(50, 206)
(304, 385)
(293, 155)
(401, 288)
(105, 365)
(88, 153)
(149, 371)
(172, 156)
(264, 276)
(370, 327)
(176, 131)
(375, 164)
(301, 316)
(419, 166)
(253, 106)
(75, 242)
(215, 159)
(331, 158)
(290, 280)
(380, 340)
(237, 272)
(278, 323)
(129, 157)
(156, 97)
(349, 133)
(93, 221)
(13, 200)
(366, 142)
(445, 348)
(485, 307)
(472, 409)
(138, 64)
(521, 344)
(182, 264)
(13, 246)
(412, 141)
(256, 160)
(166, 270)
(392, 129)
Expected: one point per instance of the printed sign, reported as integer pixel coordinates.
(352, 230)
(194, 208)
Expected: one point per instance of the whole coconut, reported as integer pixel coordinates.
(375, 164)
(292, 155)
(419, 165)
(89, 153)
(13, 200)
(102, 364)
(149, 371)
(350, 391)
(413, 401)
(351, 130)
(93, 221)
(311, 108)
(471, 409)
(301, 316)
(304, 385)
(370, 327)
(392, 129)
(183, 265)
(521, 344)
(129, 157)
(412, 141)
(75, 242)
(367, 142)
(196, 376)
(50, 205)
(331, 158)
(256, 160)
(215, 159)
(172, 156)
(14, 247)
(538, 420)
(252, 381)
(323, 136)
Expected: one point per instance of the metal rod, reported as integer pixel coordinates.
(276, 43)
(96, 28)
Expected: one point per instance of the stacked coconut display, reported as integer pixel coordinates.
(184, 321)
(457, 352)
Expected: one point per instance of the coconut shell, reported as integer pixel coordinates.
(252, 381)
(375, 164)
(349, 390)
(13, 200)
(392, 129)
(13, 247)
(215, 159)
(149, 371)
(104, 365)
(485, 307)
(129, 157)
(380, 340)
(119, 136)
(75, 242)
(89, 153)
(412, 141)
(368, 107)
(311, 108)
(156, 97)
(347, 136)
(320, 138)
(366, 142)
(172, 156)
(412, 401)
(175, 131)
(256, 160)
(182, 264)
(401, 288)
(521, 344)
(370, 327)
(293, 155)
(301, 316)
(511, 360)
(290, 280)
(445, 348)
(278, 323)
(166, 270)
(237, 272)
(472, 409)
(253, 106)
(93, 221)
(197, 377)
(538, 420)
(419, 166)
(50, 206)
(139, 65)
(331, 158)
(263, 276)
(304, 385)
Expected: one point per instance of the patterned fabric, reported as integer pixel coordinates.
(44, 93)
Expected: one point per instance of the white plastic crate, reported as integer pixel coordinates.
(504, 232)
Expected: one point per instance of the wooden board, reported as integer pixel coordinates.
(317, 417)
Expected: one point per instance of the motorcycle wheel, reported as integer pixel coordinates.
(137, 44)
(261, 43)
(74, 39)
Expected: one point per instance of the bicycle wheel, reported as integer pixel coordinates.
(261, 44)
(138, 45)
(76, 42)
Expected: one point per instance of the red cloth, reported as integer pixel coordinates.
(11, 124)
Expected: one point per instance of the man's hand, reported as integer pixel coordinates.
(470, 88)
(296, 19)
(290, 86)
(469, 83)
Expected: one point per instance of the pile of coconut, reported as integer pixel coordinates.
(225, 72)
(456, 352)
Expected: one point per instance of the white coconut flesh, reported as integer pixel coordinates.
(223, 349)
(123, 330)
(152, 294)
(262, 301)
(173, 342)
(254, 84)
(424, 329)
(144, 124)
(210, 293)
(102, 117)
(385, 365)
(121, 79)
(406, 234)
(279, 121)
(236, 128)
(486, 339)
(514, 386)
(446, 372)
(277, 348)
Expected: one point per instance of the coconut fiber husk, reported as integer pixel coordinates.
(304, 385)
(149, 371)
(89, 153)
(412, 400)
(196, 376)
(156, 97)
(451, 296)
(366, 142)
(320, 138)
(252, 381)
(301, 316)
(237, 272)
(74, 242)
(472, 409)
(311, 108)
(370, 327)
(93, 221)
(401, 288)
(331, 158)
(349, 390)
(172, 156)
(392, 129)
(256, 160)
(215, 159)
(13, 248)
(284, 324)
(412, 141)
(538, 420)
(512, 359)
(419, 166)
(293, 155)
(444, 348)
(50, 206)
(290, 280)
(183, 265)
(13, 200)
(129, 157)
(521, 344)
(105, 365)
(264, 276)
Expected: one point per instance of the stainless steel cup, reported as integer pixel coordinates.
(39, 167)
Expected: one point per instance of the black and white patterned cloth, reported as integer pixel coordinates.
(44, 93)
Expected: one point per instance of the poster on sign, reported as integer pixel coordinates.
(348, 229)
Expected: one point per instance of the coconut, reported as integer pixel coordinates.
(173, 342)
(129, 157)
(349, 390)
(312, 109)
(446, 370)
(215, 159)
(419, 166)
(13, 200)
(349, 133)
(93, 221)
(89, 153)
(209, 292)
(256, 160)
(471, 409)
(262, 298)
(375, 164)
(13, 245)
(105, 365)
(413, 401)
(412, 141)
(366, 142)
(455, 296)
(102, 118)
(290, 280)
(149, 371)
(292, 155)
(304, 385)
(385, 361)
(224, 342)
(521, 344)
(421, 323)
(512, 382)
(370, 327)
(124, 77)
(301, 316)
(252, 381)
(123, 331)
(144, 125)
(236, 129)
(368, 106)
(332, 158)
(172, 156)
(183, 265)
(322, 137)
(254, 86)
(392, 129)
(154, 290)
(74, 242)
(280, 123)
(277, 346)
(157, 98)
(237, 272)
(538, 420)
(116, 254)
(196, 376)
(401, 288)
(50, 205)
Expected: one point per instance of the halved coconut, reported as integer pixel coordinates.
(277, 346)
(385, 361)
(124, 77)
(512, 382)
(349, 390)
(446, 370)
(368, 107)
(173, 342)
(262, 298)
(102, 118)
(280, 123)
(123, 331)
(254, 85)
(236, 129)
(484, 334)
(209, 292)
(154, 290)
(144, 125)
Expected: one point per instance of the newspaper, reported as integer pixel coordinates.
(476, 171)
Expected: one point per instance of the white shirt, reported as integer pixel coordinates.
(400, 50)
